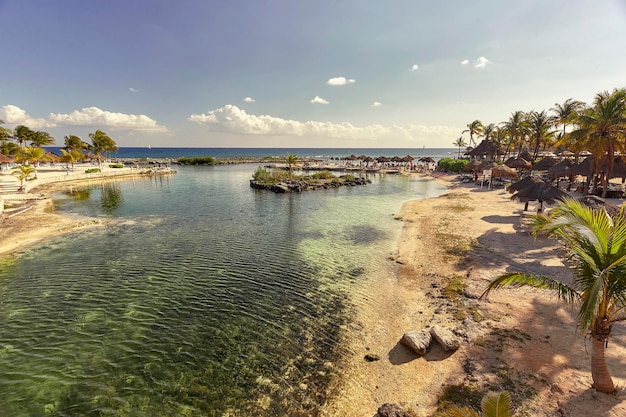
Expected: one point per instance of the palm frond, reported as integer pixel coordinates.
(496, 404)
(461, 412)
(515, 280)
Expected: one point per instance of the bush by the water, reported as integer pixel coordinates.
(92, 170)
(198, 160)
(269, 177)
(452, 165)
(116, 165)
(323, 175)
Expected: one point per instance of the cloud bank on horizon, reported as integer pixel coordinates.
(232, 119)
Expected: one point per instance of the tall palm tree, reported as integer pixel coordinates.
(40, 138)
(73, 142)
(517, 127)
(22, 134)
(460, 142)
(474, 128)
(602, 128)
(101, 142)
(597, 243)
(567, 112)
(540, 129)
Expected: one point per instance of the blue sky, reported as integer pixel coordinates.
(284, 73)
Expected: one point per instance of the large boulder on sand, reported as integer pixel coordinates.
(445, 338)
(419, 341)
(392, 410)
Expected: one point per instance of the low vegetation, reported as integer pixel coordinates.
(452, 165)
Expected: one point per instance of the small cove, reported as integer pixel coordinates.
(201, 297)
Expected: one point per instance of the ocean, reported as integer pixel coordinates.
(200, 297)
(326, 153)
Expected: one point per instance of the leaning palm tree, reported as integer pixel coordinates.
(474, 128)
(460, 142)
(567, 112)
(22, 134)
(540, 130)
(597, 242)
(71, 157)
(494, 404)
(101, 142)
(40, 138)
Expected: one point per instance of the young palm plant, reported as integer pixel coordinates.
(597, 243)
(494, 404)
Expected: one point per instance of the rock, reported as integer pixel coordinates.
(445, 338)
(370, 357)
(392, 410)
(419, 341)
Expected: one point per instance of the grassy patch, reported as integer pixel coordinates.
(460, 208)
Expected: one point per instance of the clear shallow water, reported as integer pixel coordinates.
(202, 297)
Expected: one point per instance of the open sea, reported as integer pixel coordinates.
(200, 297)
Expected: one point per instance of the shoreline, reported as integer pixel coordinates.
(520, 340)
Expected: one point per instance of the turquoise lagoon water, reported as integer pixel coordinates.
(200, 297)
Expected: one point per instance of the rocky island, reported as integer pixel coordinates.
(285, 182)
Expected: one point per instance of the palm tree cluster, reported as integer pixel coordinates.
(598, 128)
(26, 145)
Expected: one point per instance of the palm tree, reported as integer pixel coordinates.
(494, 404)
(474, 128)
(567, 112)
(597, 243)
(460, 142)
(602, 127)
(73, 142)
(101, 142)
(540, 130)
(22, 134)
(39, 139)
(517, 127)
(23, 172)
(32, 156)
(71, 157)
(291, 159)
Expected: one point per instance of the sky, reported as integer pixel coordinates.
(298, 74)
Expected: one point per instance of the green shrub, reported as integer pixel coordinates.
(269, 177)
(199, 160)
(323, 175)
(348, 177)
(452, 165)
(116, 165)
(92, 170)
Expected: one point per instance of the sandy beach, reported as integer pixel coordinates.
(520, 340)
(523, 340)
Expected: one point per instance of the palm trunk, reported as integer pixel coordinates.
(602, 380)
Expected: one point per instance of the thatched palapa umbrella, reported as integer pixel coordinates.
(541, 191)
(560, 169)
(520, 163)
(544, 164)
(470, 166)
(503, 171)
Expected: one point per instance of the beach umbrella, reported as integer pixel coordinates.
(427, 159)
(52, 156)
(352, 157)
(383, 159)
(597, 203)
(362, 157)
(5, 159)
(544, 164)
(541, 191)
(518, 163)
(523, 183)
(561, 169)
(470, 166)
(485, 165)
(503, 171)
(525, 155)
(584, 167)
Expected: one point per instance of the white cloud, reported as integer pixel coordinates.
(414, 68)
(481, 62)
(14, 115)
(93, 116)
(234, 120)
(133, 90)
(249, 100)
(377, 104)
(465, 62)
(337, 81)
(318, 100)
